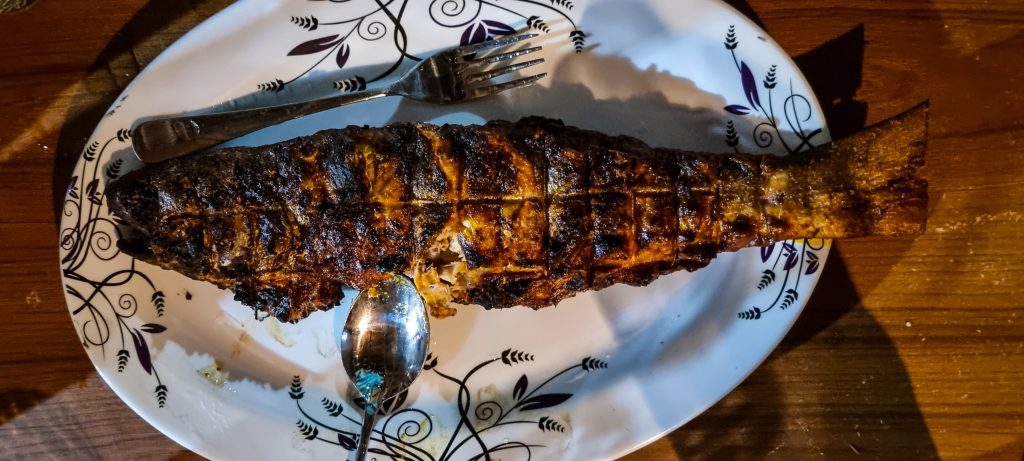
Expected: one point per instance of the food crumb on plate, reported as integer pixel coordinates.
(214, 374)
(274, 329)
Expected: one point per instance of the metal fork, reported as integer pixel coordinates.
(450, 76)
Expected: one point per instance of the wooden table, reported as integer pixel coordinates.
(910, 348)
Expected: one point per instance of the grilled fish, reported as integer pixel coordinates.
(502, 214)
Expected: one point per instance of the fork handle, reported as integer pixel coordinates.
(161, 139)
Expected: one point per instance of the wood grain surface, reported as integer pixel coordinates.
(910, 348)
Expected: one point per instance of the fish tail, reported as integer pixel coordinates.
(866, 184)
(885, 161)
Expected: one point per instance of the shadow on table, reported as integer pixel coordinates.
(16, 401)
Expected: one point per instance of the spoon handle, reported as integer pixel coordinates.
(369, 418)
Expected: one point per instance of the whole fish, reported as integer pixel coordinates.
(502, 214)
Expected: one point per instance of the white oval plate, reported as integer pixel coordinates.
(597, 376)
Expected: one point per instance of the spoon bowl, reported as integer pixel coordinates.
(384, 344)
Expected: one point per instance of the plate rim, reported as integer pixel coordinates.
(194, 445)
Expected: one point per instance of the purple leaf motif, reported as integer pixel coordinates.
(343, 54)
(749, 85)
(315, 46)
(812, 264)
(153, 328)
(394, 402)
(90, 189)
(346, 442)
(475, 33)
(520, 388)
(484, 30)
(737, 109)
(790, 261)
(766, 252)
(498, 28)
(142, 350)
(543, 401)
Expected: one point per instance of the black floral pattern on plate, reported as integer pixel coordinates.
(799, 259)
(796, 108)
(403, 433)
(103, 305)
(479, 20)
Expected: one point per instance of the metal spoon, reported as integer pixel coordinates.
(383, 345)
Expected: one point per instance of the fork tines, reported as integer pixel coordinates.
(475, 62)
(498, 88)
(489, 74)
(495, 43)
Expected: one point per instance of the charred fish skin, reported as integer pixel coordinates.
(503, 214)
